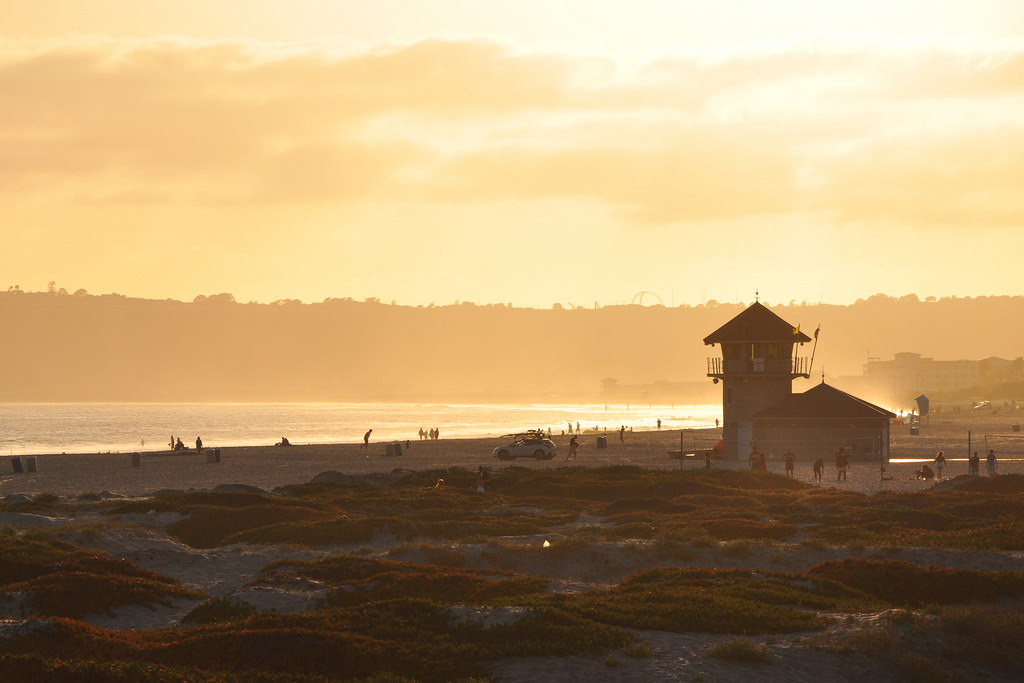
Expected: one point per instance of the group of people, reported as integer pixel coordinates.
(429, 435)
(973, 466)
(756, 461)
(177, 445)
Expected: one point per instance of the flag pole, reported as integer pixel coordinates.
(814, 349)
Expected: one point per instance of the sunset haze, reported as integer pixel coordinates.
(523, 153)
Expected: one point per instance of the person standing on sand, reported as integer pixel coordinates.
(842, 462)
(788, 455)
(199, 445)
(973, 464)
(990, 462)
(622, 434)
(819, 469)
(940, 464)
(366, 439)
(482, 479)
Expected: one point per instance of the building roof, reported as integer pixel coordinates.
(823, 401)
(756, 324)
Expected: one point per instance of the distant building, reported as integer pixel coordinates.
(910, 374)
(760, 359)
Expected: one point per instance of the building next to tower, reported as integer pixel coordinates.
(760, 358)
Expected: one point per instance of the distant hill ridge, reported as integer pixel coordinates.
(61, 347)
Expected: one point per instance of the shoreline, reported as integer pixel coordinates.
(268, 467)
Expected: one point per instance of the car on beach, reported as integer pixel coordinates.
(531, 444)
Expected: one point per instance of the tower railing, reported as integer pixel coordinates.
(796, 366)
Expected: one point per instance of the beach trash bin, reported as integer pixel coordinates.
(16, 464)
(30, 463)
(136, 459)
(398, 447)
(602, 442)
(211, 457)
(216, 455)
(1015, 427)
(914, 431)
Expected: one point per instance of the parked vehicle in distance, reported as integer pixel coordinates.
(531, 444)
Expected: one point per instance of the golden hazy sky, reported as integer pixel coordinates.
(527, 152)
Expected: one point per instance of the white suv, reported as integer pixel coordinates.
(532, 444)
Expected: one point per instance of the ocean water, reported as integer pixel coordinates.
(43, 428)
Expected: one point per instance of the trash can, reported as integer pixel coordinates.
(394, 448)
(16, 464)
(1015, 427)
(136, 459)
(216, 455)
(30, 463)
(602, 442)
(211, 456)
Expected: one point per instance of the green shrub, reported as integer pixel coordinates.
(740, 651)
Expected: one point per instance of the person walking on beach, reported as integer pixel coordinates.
(366, 439)
(819, 469)
(622, 433)
(573, 447)
(973, 464)
(940, 464)
(788, 455)
(199, 445)
(990, 463)
(842, 462)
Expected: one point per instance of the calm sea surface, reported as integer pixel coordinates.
(42, 428)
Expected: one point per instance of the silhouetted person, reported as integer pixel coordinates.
(570, 427)
(940, 464)
(284, 441)
(482, 479)
(790, 466)
(659, 423)
(707, 460)
(366, 439)
(622, 433)
(819, 468)
(990, 462)
(199, 445)
(842, 462)
(973, 464)
(179, 446)
(573, 447)
(577, 427)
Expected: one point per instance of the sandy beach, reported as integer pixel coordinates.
(268, 467)
(233, 571)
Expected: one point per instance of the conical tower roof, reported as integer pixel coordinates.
(756, 324)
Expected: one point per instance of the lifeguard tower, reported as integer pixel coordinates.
(757, 367)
